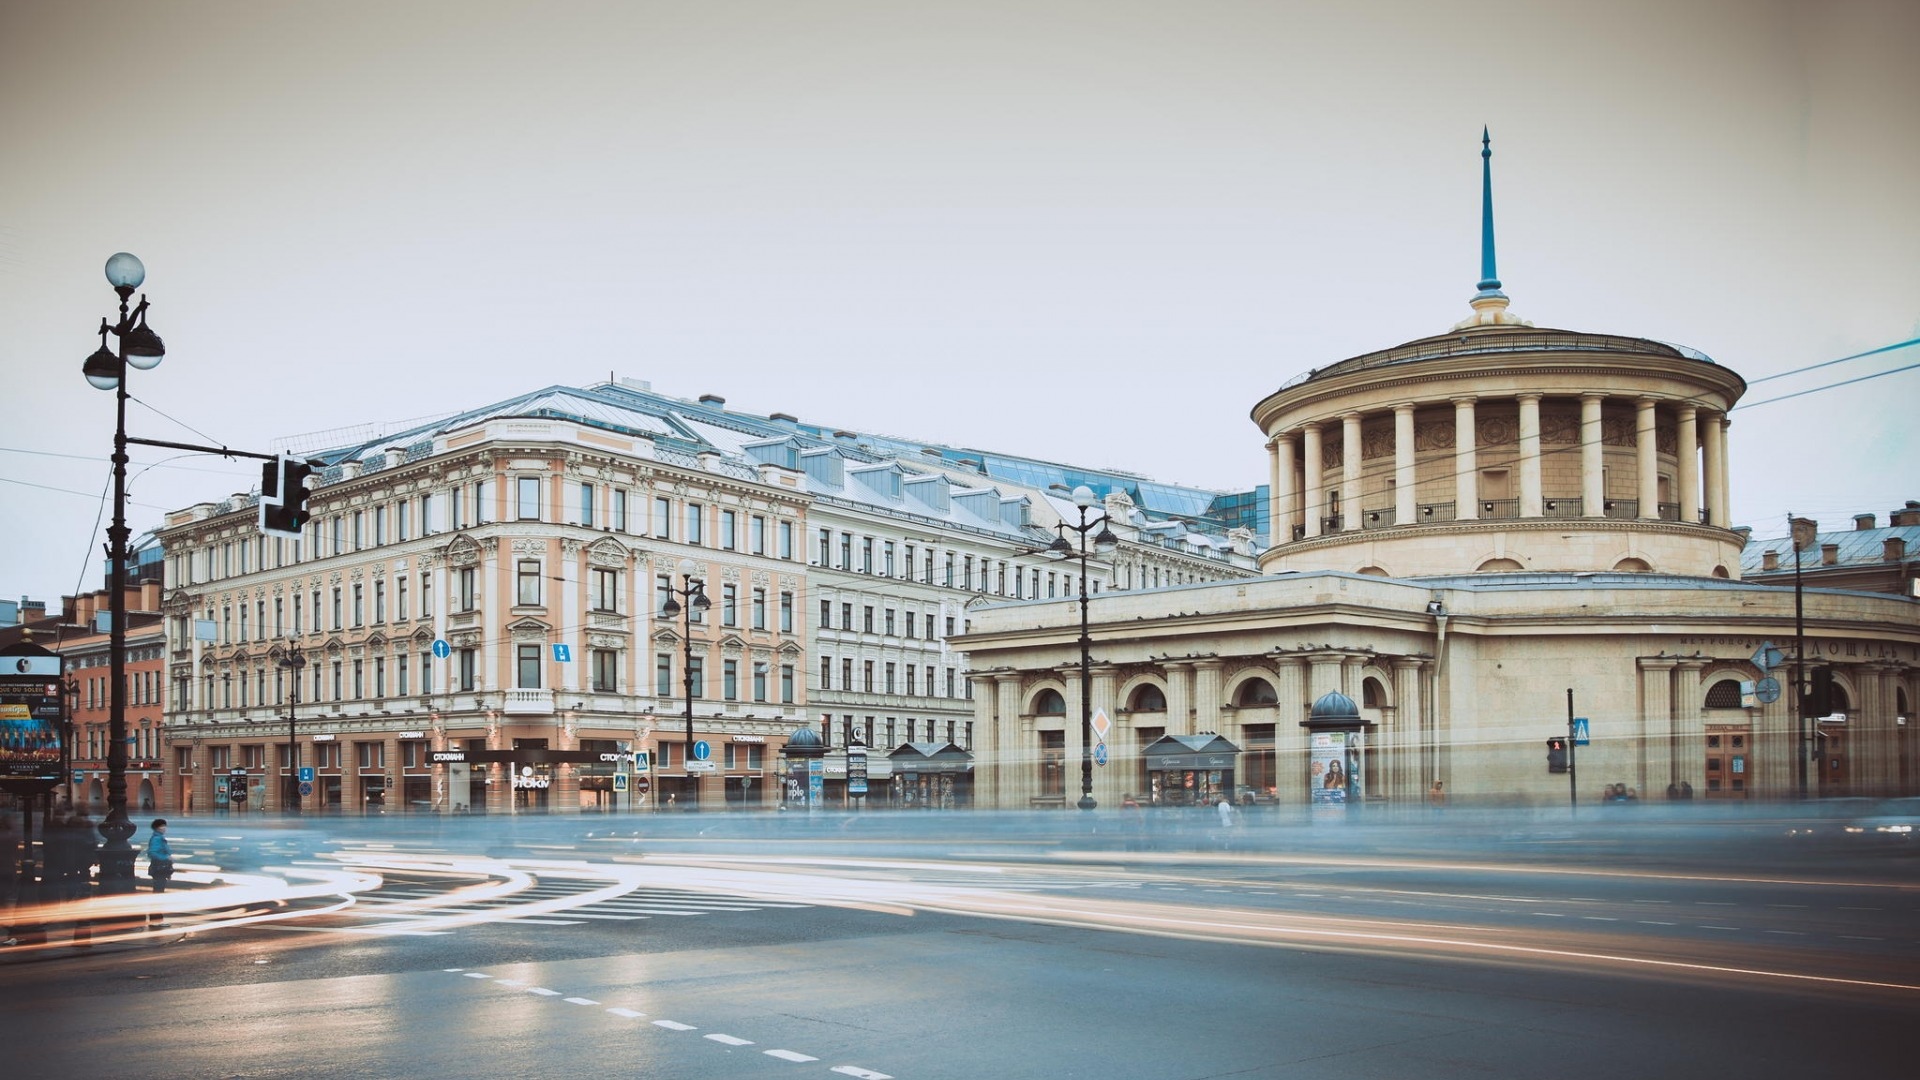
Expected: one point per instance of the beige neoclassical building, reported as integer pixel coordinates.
(1477, 536)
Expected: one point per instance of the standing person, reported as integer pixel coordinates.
(159, 867)
(79, 846)
(1437, 796)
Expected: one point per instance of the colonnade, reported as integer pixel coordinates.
(1299, 484)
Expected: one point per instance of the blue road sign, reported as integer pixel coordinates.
(1099, 753)
(306, 774)
(701, 751)
(642, 761)
(1579, 731)
(441, 649)
(562, 654)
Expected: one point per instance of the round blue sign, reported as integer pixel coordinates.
(701, 751)
(1100, 754)
(441, 649)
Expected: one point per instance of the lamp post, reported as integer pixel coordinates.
(292, 660)
(1103, 542)
(694, 591)
(140, 348)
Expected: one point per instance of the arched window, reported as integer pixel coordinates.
(1499, 566)
(1372, 694)
(1373, 571)
(1148, 698)
(1632, 566)
(1049, 702)
(1724, 694)
(1255, 692)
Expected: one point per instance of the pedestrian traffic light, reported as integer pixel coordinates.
(1557, 754)
(283, 496)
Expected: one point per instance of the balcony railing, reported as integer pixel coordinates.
(523, 702)
(1562, 508)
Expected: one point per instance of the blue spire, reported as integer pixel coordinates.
(1489, 277)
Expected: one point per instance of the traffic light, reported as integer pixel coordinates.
(1820, 696)
(1557, 754)
(283, 496)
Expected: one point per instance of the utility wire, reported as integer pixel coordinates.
(1829, 386)
(1829, 363)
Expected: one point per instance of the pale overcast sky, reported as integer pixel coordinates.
(1094, 232)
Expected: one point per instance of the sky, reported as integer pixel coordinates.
(1090, 232)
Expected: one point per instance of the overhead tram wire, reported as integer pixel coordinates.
(1829, 363)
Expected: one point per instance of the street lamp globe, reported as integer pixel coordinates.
(1083, 496)
(687, 567)
(102, 369)
(125, 271)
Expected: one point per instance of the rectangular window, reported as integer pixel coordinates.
(886, 559)
(866, 671)
(402, 511)
(359, 607)
(359, 532)
(949, 624)
(662, 591)
(909, 561)
(619, 510)
(697, 674)
(528, 657)
(826, 545)
(866, 554)
(337, 624)
(826, 614)
(786, 683)
(459, 507)
(950, 567)
(663, 674)
(528, 577)
(380, 676)
(867, 618)
(730, 680)
(729, 605)
(889, 622)
(786, 613)
(379, 600)
(826, 673)
(379, 525)
(728, 540)
(889, 675)
(400, 668)
(759, 680)
(466, 669)
(663, 518)
(696, 514)
(605, 670)
(846, 551)
(846, 616)
(464, 597)
(400, 610)
(759, 609)
(910, 680)
(586, 505)
(606, 590)
(359, 679)
(757, 534)
(527, 498)
(296, 615)
(426, 596)
(786, 539)
(911, 620)
(426, 673)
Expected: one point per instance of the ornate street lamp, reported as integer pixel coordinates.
(695, 593)
(1103, 542)
(291, 660)
(140, 348)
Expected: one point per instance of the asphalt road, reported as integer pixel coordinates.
(710, 950)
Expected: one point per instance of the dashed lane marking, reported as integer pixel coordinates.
(581, 1001)
(628, 1013)
(730, 1040)
(674, 1025)
(543, 991)
(789, 1055)
(859, 1073)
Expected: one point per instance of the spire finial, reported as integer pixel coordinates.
(1489, 277)
(1489, 304)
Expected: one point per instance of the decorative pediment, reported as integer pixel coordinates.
(377, 641)
(528, 629)
(423, 635)
(607, 552)
(789, 651)
(334, 646)
(462, 551)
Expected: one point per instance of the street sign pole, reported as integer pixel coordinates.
(1573, 787)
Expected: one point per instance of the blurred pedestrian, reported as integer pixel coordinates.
(76, 845)
(1686, 790)
(159, 859)
(1437, 796)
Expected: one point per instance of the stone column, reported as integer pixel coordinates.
(1206, 695)
(396, 774)
(1593, 483)
(1313, 488)
(1716, 452)
(1404, 483)
(1689, 727)
(1013, 776)
(1466, 467)
(1647, 456)
(1688, 479)
(1123, 773)
(1657, 750)
(1877, 770)
(1289, 738)
(1724, 510)
(1774, 742)
(1350, 452)
(1179, 699)
(1285, 501)
(1530, 497)
(1409, 782)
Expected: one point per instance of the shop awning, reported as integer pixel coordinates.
(930, 757)
(1203, 751)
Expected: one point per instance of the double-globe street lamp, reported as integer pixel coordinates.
(694, 591)
(1103, 542)
(140, 348)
